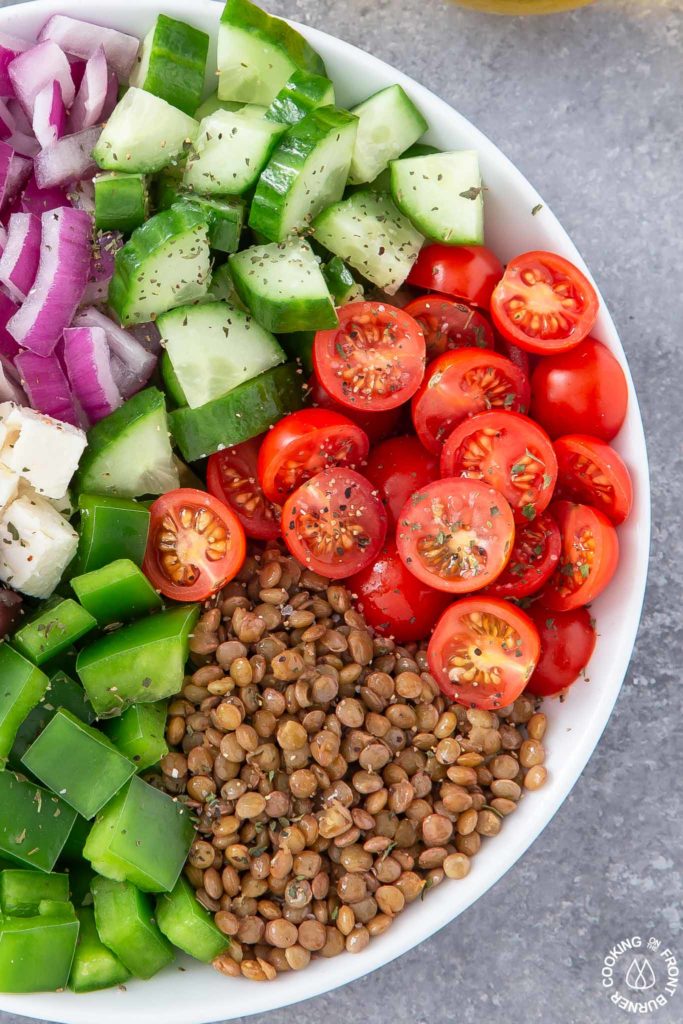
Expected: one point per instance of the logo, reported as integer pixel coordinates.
(640, 975)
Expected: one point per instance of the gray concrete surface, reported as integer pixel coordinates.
(589, 106)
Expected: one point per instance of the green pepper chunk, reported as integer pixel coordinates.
(62, 692)
(79, 763)
(34, 823)
(125, 922)
(21, 687)
(139, 733)
(21, 891)
(36, 953)
(142, 662)
(54, 630)
(110, 528)
(94, 966)
(142, 836)
(116, 593)
(188, 925)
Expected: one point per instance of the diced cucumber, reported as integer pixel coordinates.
(188, 925)
(249, 410)
(172, 63)
(283, 286)
(125, 921)
(121, 201)
(442, 195)
(211, 104)
(224, 216)
(371, 234)
(257, 54)
(230, 150)
(143, 133)
(94, 966)
(389, 122)
(299, 347)
(129, 453)
(165, 263)
(167, 186)
(382, 183)
(140, 733)
(171, 383)
(306, 172)
(214, 347)
(300, 94)
(341, 282)
(223, 287)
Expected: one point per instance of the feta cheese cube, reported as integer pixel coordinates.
(36, 545)
(41, 449)
(9, 486)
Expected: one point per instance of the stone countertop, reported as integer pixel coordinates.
(588, 105)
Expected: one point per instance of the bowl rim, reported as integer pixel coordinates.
(324, 976)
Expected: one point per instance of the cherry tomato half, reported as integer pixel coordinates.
(535, 556)
(466, 272)
(581, 390)
(374, 359)
(460, 384)
(590, 552)
(510, 452)
(483, 651)
(567, 643)
(544, 303)
(393, 601)
(196, 545)
(302, 444)
(399, 467)
(377, 425)
(448, 325)
(231, 477)
(593, 473)
(456, 535)
(335, 523)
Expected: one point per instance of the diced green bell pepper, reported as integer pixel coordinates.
(62, 692)
(36, 953)
(34, 823)
(94, 966)
(72, 854)
(142, 836)
(142, 662)
(21, 891)
(139, 733)
(188, 925)
(80, 876)
(54, 630)
(21, 687)
(110, 528)
(116, 593)
(125, 922)
(79, 763)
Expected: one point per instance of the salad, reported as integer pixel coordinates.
(304, 498)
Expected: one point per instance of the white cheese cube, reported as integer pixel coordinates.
(9, 486)
(41, 449)
(36, 545)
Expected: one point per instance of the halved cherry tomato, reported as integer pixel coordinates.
(467, 272)
(510, 452)
(377, 425)
(393, 601)
(590, 552)
(448, 325)
(593, 473)
(581, 390)
(374, 359)
(483, 651)
(460, 384)
(515, 354)
(196, 545)
(535, 556)
(335, 523)
(231, 477)
(456, 535)
(567, 643)
(399, 467)
(302, 444)
(544, 303)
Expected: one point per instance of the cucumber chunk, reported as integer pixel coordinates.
(442, 195)
(129, 452)
(300, 94)
(214, 347)
(211, 104)
(172, 63)
(94, 966)
(257, 54)
(283, 286)
(165, 263)
(229, 153)
(245, 412)
(224, 216)
(382, 183)
(171, 383)
(306, 172)
(223, 287)
(341, 282)
(389, 122)
(373, 236)
(299, 347)
(144, 133)
(121, 201)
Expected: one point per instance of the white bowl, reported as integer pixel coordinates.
(197, 994)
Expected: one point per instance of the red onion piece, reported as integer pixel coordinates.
(90, 99)
(60, 281)
(148, 335)
(69, 159)
(132, 364)
(81, 195)
(10, 389)
(14, 173)
(8, 346)
(10, 47)
(7, 121)
(104, 250)
(3, 238)
(38, 200)
(24, 144)
(32, 70)
(46, 386)
(21, 121)
(77, 71)
(19, 261)
(49, 115)
(82, 39)
(86, 354)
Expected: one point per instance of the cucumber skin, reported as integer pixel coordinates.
(172, 385)
(301, 94)
(341, 282)
(121, 202)
(224, 216)
(382, 182)
(173, 74)
(245, 412)
(299, 347)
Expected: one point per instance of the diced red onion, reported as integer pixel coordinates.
(86, 354)
(32, 70)
(148, 335)
(21, 121)
(14, 173)
(10, 390)
(132, 364)
(77, 71)
(38, 200)
(6, 157)
(90, 99)
(8, 346)
(112, 97)
(7, 121)
(10, 47)
(69, 159)
(49, 115)
(81, 39)
(19, 261)
(104, 250)
(24, 144)
(46, 386)
(81, 195)
(60, 281)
